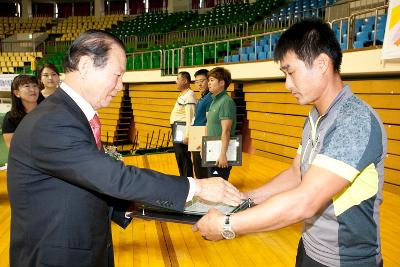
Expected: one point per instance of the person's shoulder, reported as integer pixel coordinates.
(7, 115)
(355, 110)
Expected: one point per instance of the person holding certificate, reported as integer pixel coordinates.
(221, 119)
(200, 117)
(180, 119)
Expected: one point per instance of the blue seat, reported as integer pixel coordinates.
(357, 25)
(381, 26)
(275, 37)
(266, 48)
(358, 44)
(259, 49)
(382, 18)
(362, 36)
(262, 55)
(266, 39)
(263, 42)
(380, 34)
(369, 21)
(344, 27)
(242, 50)
(235, 58)
(252, 57)
(226, 59)
(366, 28)
(244, 57)
(249, 49)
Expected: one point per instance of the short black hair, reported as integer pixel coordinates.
(308, 39)
(186, 75)
(201, 72)
(93, 43)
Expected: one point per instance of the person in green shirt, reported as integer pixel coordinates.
(221, 120)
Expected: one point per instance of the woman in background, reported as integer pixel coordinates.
(49, 79)
(24, 98)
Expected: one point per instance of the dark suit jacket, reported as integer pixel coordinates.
(62, 188)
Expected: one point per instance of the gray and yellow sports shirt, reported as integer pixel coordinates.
(350, 141)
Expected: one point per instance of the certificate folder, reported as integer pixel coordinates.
(211, 148)
(178, 131)
(196, 134)
(194, 210)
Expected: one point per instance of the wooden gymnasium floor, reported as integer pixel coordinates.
(151, 243)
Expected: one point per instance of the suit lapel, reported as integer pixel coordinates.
(63, 98)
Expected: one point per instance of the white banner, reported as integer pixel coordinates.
(391, 43)
(5, 81)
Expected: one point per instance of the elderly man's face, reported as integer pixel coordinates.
(105, 83)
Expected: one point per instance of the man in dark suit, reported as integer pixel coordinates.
(63, 189)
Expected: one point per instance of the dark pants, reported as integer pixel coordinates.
(303, 260)
(219, 172)
(183, 159)
(201, 172)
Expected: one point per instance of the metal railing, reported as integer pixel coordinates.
(374, 12)
(172, 59)
(184, 37)
(142, 56)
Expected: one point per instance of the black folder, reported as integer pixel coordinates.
(190, 215)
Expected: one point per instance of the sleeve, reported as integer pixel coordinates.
(68, 152)
(350, 145)
(9, 125)
(119, 211)
(189, 111)
(190, 107)
(226, 110)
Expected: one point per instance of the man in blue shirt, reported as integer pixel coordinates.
(200, 117)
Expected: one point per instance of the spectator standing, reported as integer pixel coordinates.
(200, 117)
(183, 111)
(221, 119)
(24, 98)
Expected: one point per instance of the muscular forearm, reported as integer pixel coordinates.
(284, 181)
(277, 212)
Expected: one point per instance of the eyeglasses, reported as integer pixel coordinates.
(200, 81)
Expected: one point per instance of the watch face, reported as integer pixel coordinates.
(228, 234)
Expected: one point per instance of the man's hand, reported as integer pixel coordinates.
(186, 140)
(211, 225)
(222, 162)
(217, 190)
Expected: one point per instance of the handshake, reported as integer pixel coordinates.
(218, 190)
(215, 190)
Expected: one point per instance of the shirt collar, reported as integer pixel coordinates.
(79, 100)
(219, 95)
(345, 92)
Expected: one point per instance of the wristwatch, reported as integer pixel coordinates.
(227, 231)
